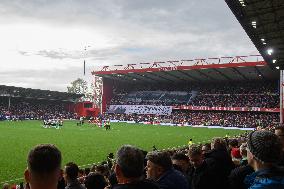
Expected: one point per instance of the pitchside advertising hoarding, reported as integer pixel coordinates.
(167, 110)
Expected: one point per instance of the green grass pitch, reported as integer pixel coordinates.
(87, 144)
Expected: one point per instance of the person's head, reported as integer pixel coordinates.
(44, 167)
(233, 143)
(103, 170)
(71, 171)
(243, 150)
(279, 131)
(181, 160)
(157, 164)
(93, 168)
(206, 148)
(264, 149)
(195, 156)
(218, 144)
(86, 171)
(235, 154)
(129, 163)
(95, 181)
(81, 172)
(6, 186)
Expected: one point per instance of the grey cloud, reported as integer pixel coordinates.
(58, 54)
(56, 79)
(144, 31)
(24, 53)
(64, 54)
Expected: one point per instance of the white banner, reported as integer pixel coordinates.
(140, 109)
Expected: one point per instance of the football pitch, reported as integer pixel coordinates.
(88, 144)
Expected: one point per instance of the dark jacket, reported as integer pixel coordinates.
(222, 167)
(281, 162)
(202, 177)
(173, 179)
(74, 185)
(272, 178)
(238, 175)
(144, 184)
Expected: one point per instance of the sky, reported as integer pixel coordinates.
(43, 43)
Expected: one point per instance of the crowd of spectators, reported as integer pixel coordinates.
(205, 118)
(250, 94)
(236, 100)
(247, 87)
(249, 161)
(34, 110)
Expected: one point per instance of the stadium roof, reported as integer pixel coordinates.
(263, 21)
(37, 94)
(224, 69)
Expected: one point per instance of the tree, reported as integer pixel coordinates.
(92, 92)
(79, 86)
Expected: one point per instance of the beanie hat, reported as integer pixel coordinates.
(265, 146)
(235, 152)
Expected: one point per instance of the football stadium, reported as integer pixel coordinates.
(178, 124)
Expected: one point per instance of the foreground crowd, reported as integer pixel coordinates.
(253, 160)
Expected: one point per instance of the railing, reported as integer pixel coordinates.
(172, 64)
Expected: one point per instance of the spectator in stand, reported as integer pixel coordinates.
(206, 148)
(279, 131)
(264, 153)
(103, 170)
(95, 181)
(238, 175)
(160, 169)
(235, 151)
(181, 160)
(71, 172)
(61, 182)
(86, 171)
(243, 152)
(6, 186)
(223, 162)
(129, 169)
(44, 162)
(81, 177)
(201, 175)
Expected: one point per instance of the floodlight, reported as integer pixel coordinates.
(269, 51)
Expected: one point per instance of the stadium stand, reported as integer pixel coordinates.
(208, 118)
(248, 95)
(18, 103)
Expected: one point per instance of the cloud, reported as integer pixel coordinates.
(59, 54)
(47, 38)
